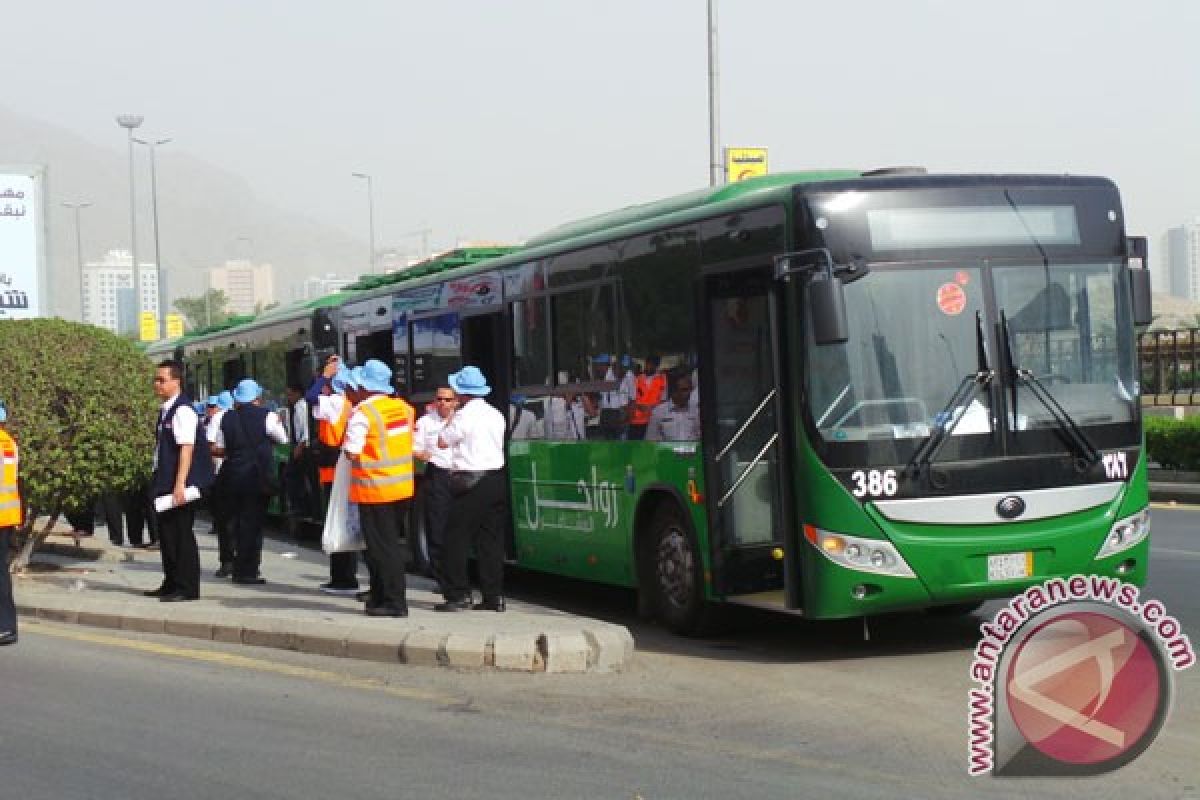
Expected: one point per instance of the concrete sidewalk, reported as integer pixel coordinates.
(101, 585)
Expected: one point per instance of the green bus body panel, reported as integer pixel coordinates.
(950, 561)
(573, 504)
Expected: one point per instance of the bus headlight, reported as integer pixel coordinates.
(1126, 533)
(864, 555)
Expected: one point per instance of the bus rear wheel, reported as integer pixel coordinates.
(675, 574)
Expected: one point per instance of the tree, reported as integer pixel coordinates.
(81, 408)
(210, 308)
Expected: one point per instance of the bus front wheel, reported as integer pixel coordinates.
(675, 573)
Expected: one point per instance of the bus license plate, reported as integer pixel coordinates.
(1008, 566)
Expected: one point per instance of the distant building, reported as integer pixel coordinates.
(245, 284)
(314, 287)
(108, 300)
(1180, 273)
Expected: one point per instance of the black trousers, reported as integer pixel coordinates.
(84, 519)
(218, 507)
(8, 609)
(435, 489)
(180, 555)
(138, 513)
(111, 507)
(477, 517)
(247, 513)
(383, 528)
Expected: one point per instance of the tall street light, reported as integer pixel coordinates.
(129, 122)
(370, 213)
(77, 207)
(716, 170)
(158, 269)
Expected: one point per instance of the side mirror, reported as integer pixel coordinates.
(826, 301)
(1139, 281)
(827, 306)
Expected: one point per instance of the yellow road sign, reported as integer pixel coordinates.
(148, 326)
(745, 162)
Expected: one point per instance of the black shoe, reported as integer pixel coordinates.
(254, 580)
(8, 637)
(161, 591)
(224, 571)
(362, 597)
(495, 604)
(454, 605)
(177, 598)
(386, 611)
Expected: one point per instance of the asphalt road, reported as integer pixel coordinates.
(776, 708)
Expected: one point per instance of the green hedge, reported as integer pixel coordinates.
(1174, 443)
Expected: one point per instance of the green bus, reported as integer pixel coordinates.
(910, 390)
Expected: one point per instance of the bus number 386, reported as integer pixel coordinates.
(874, 483)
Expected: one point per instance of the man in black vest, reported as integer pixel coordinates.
(181, 462)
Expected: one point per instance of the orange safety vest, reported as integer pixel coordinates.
(383, 471)
(10, 499)
(331, 435)
(648, 392)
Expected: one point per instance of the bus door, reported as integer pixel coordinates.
(483, 337)
(744, 451)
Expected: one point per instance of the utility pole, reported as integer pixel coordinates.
(716, 170)
(129, 122)
(158, 268)
(77, 207)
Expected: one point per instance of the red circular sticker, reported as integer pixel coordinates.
(951, 299)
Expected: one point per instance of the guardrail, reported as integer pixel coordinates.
(1169, 365)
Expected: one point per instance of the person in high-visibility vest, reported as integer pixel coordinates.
(378, 442)
(650, 389)
(331, 409)
(10, 520)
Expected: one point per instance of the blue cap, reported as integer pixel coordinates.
(3, 412)
(247, 391)
(518, 399)
(626, 361)
(374, 376)
(212, 400)
(225, 401)
(198, 407)
(342, 380)
(469, 380)
(603, 358)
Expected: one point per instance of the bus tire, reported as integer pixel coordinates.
(954, 609)
(675, 573)
(418, 538)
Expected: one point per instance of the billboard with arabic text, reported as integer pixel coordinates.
(22, 242)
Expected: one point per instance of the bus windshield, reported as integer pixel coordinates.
(914, 339)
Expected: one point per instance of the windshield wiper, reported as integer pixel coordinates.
(1075, 438)
(947, 420)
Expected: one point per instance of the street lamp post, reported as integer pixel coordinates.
(370, 213)
(129, 122)
(158, 268)
(77, 207)
(716, 170)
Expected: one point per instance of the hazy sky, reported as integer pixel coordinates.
(496, 120)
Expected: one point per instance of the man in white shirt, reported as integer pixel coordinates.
(435, 485)
(300, 493)
(675, 420)
(218, 502)
(181, 461)
(477, 482)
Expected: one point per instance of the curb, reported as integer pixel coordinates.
(602, 649)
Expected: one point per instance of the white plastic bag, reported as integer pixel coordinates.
(343, 533)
